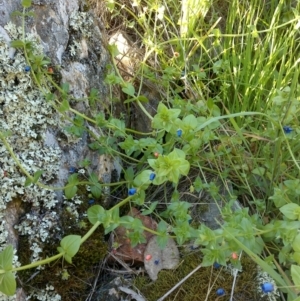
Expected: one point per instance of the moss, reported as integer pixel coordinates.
(203, 284)
(81, 271)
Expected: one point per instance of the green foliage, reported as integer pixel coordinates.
(69, 246)
(71, 188)
(34, 179)
(7, 277)
(228, 90)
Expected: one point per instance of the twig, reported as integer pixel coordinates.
(234, 280)
(179, 283)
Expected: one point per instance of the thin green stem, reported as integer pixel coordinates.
(90, 232)
(37, 263)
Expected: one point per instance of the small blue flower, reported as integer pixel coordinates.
(72, 169)
(179, 133)
(27, 68)
(132, 191)
(152, 176)
(220, 292)
(287, 129)
(267, 287)
(216, 265)
(91, 202)
(156, 261)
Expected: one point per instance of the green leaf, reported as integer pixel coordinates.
(126, 221)
(162, 238)
(129, 174)
(17, 13)
(296, 243)
(8, 283)
(142, 180)
(295, 257)
(66, 88)
(96, 214)
(129, 145)
(37, 175)
(70, 246)
(93, 178)
(295, 272)
(142, 98)
(96, 187)
(136, 237)
(213, 255)
(162, 241)
(112, 220)
(96, 190)
(113, 49)
(73, 179)
(112, 79)
(183, 232)
(118, 127)
(190, 122)
(151, 209)
(128, 89)
(139, 197)
(30, 14)
(279, 197)
(70, 191)
(49, 97)
(28, 182)
(260, 171)
(64, 106)
(17, 44)
(205, 236)
(165, 118)
(26, 3)
(94, 96)
(171, 166)
(291, 211)
(6, 257)
(198, 185)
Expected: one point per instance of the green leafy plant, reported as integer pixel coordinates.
(240, 124)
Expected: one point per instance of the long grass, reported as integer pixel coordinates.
(226, 57)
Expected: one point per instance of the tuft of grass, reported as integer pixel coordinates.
(214, 58)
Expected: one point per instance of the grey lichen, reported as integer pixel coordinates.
(26, 115)
(82, 22)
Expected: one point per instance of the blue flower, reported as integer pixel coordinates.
(152, 176)
(27, 68)
(156, 261)
(287, 129)
(216, 265)
(220, 292)
(179, 133)
(267, 287)
(132, 191)
(91, 202)
(72, 169)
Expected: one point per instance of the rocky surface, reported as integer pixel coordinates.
(73, 40)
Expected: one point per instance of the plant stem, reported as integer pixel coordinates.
(37, 263)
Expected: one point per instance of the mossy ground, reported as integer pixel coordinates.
(203, 284)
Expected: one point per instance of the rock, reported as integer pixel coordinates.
(156, 259)
(75, 43)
